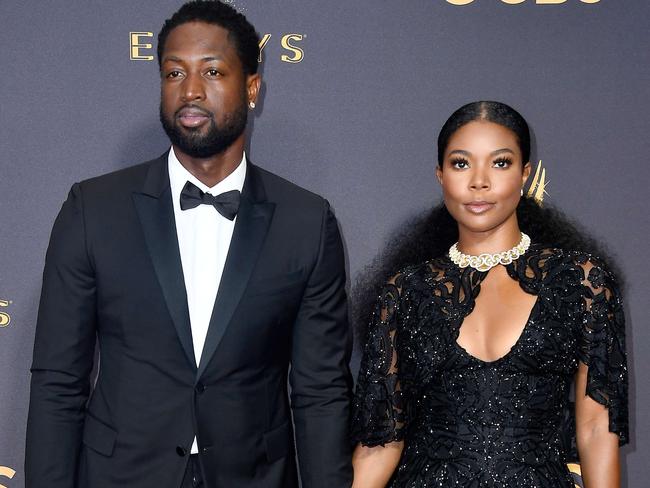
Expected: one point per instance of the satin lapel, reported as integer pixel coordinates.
(156, 212)
(251, 227)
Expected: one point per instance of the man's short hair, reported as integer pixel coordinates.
(240, 31)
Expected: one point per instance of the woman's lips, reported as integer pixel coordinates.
(479, 207)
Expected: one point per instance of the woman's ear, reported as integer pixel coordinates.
(526, 173)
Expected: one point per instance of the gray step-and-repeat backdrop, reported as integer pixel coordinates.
(354, 94)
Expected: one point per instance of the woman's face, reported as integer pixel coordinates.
(482, 176)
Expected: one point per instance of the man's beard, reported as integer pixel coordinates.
(215, 141)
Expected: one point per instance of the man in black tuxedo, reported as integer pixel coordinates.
(207, 283)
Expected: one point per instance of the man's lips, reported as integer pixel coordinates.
(192, 117)
(478, 207)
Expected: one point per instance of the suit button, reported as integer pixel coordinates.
(200, 387)
(181, 451)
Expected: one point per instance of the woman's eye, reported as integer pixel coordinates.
(502, 163)
(459, 163)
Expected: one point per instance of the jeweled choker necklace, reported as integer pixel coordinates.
(486, 261)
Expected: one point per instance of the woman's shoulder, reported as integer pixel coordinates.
(424, 273)
(556, 256)
(555, 261)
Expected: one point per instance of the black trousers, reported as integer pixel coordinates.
(192, 478)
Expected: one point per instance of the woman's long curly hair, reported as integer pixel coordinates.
(430, 235)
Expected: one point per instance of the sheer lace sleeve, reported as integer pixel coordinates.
(379, 414)
(602, 345)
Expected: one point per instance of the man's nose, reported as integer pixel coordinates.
(193, 88)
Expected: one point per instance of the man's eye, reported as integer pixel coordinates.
(213, 72)
(173, 74)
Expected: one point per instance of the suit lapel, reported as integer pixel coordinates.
(251, 227)
(156, 212)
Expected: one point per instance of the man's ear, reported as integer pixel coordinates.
(253, 84)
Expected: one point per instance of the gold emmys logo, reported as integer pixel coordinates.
(517, 2)
(6, 472)
(140, 47)
(5, 318)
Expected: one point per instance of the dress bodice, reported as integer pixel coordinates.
(468, 422)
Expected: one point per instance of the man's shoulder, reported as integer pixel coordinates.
(281, 190)
(125, 179)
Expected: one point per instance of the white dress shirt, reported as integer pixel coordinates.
(204, 237)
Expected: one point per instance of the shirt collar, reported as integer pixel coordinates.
(178, 176)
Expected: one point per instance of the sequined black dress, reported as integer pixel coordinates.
(470, 423)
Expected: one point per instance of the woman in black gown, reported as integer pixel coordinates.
(472, 351)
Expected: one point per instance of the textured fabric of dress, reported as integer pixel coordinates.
(471, 423)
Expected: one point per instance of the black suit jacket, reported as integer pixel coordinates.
(113, 274)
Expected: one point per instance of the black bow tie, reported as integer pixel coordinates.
(227, 204)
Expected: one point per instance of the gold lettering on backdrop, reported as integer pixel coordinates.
(5, 318)
(263, 42)
(139, 49)
(6, 472)
(297, 54)
(517, 2)
(137, 46)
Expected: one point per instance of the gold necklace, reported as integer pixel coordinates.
(486, 261)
